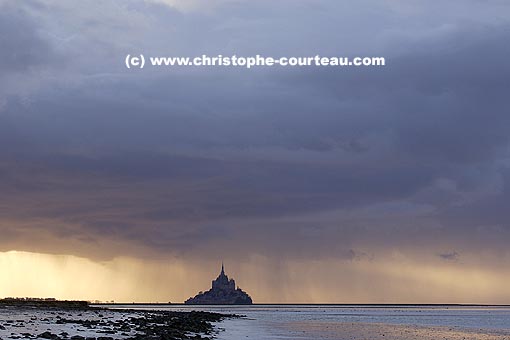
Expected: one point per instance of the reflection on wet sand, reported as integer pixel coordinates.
(369, 331)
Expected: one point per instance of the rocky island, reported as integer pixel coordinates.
(223, 292)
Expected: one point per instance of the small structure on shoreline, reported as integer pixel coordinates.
(223, 292)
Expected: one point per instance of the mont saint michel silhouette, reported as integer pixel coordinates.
(223, 292)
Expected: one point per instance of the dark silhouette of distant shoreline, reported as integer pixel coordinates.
(44, 303)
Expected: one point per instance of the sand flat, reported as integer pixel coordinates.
(372, 331)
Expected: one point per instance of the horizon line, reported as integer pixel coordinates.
(308, 304)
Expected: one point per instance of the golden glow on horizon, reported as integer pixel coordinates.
(130, 280)
(70, 277)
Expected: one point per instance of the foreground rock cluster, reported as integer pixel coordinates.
(93, 324)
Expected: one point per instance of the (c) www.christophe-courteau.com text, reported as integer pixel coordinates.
(140, 61)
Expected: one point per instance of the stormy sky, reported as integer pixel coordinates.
(386, 184)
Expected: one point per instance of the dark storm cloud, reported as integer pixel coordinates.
(483, 220)
(172, 160)
(22, 47)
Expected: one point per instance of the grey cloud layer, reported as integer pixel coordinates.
(415, 154)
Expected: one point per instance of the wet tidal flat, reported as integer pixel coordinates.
(101, 324)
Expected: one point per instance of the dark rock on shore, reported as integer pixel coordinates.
(77, 337)
(48, 335)
(176, 325)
